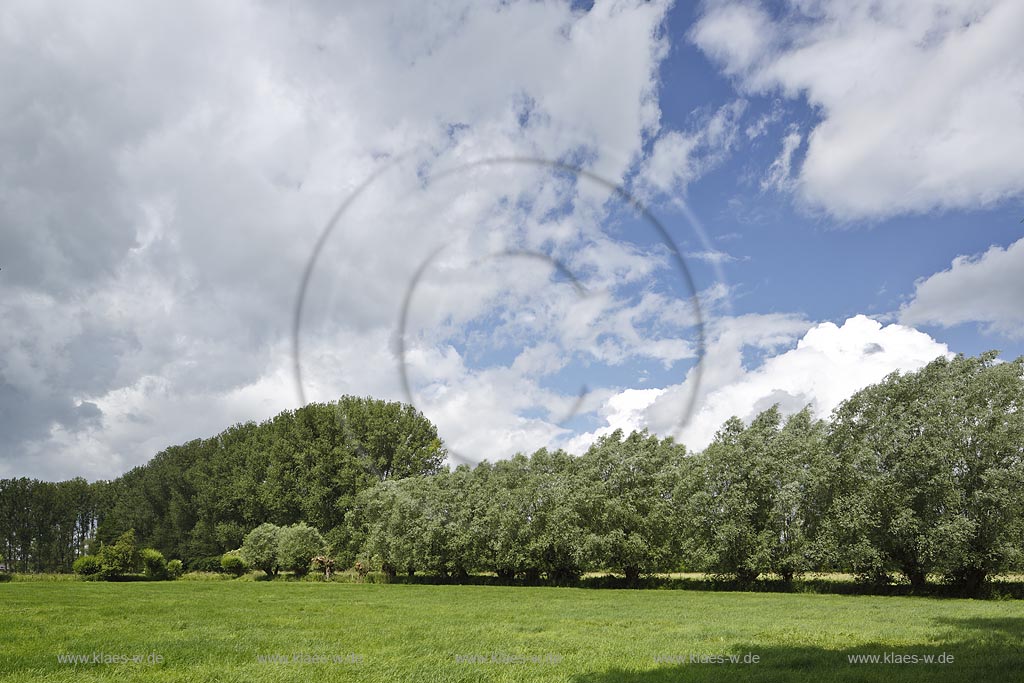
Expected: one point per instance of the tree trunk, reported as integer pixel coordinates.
(972, 581)
(918, 578)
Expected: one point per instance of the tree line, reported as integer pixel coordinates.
(196, 501)
(917, 476)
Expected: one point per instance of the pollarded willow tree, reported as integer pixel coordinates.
(929, 473)
(745, 499)
(631, 484)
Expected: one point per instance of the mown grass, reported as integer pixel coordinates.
(216, 630)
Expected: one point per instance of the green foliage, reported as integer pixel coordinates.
(154, 565)
(120, 558)
(87, 565)
(44, 526)
(631, 484)
(745, 498)
(204, 564)
(929, 475)
(233, 564)
(260, 549)
(175, 569)
(198, 499)
(297, 546)
(921, 475)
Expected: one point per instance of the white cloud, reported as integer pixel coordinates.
(987, 288)
(827, 365)
(712, 256)
(779, 175)
(735, 34)
(677, 159)
(920, 100)
(623, 410)
(162, 188)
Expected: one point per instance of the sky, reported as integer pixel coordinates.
(536, 221)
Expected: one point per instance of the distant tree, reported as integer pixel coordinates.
(119, 558)
(500, 525)
(562, 543)
(260, 549)
(297, 546)
(745, 498)
(633, 482)
(799, 467)
(233, 564)
(154, 565)
(87, 565)
(174, 569)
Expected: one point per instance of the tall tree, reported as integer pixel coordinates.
(633, 481)
(930, 472)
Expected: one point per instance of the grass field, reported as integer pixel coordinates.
(218, 631)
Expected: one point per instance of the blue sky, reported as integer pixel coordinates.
(842, 177)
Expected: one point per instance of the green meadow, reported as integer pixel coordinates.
(235, 630)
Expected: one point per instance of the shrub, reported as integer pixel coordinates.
(297, 546)
(174, 569)
(87, 565)
(233, 564)
(154, 565)
(260, 548)
(204, 564)
(120, 558)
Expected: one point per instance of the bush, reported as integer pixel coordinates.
(260, 548)
(87, 565)
(297, 546)
(233, 564)
(174, 569)
(120, 558)
(204, 564)
(154, 565)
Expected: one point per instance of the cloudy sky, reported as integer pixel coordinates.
(776, 203)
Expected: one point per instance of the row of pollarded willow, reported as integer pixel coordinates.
(920, 474)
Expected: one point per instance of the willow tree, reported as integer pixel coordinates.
(929, 472)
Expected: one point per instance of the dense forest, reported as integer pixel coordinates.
(921, 474)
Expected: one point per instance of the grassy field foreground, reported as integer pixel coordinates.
(232, 631)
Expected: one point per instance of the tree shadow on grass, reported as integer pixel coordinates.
(982, 650)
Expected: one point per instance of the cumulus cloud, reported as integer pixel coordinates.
(919, 100)
(165, 172)
(828, 364)
(986, 288)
